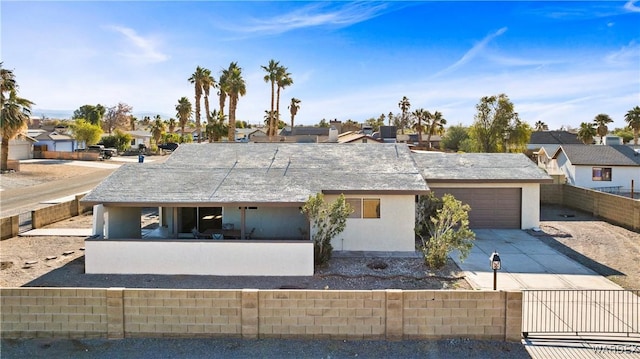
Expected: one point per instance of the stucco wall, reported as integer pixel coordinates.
(393, 231)
(620, 176)
(199, 257)
(530, 201)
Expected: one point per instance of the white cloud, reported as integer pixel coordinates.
(472, 53)
(143, 49)
(314, 15)
(631, 6)
(629, 54)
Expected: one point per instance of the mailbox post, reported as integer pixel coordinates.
(494, 262)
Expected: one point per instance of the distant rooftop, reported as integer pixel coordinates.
(600, 155)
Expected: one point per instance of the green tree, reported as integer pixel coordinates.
(493, 121)
(197, 79)
(375, 123)
(453, 138)
(601, 121)
(217, 129)
(92, 114)
(271, 69)
(294, 106)
(183, 112)
(404, 105)
(625, 133)
(171, 124)
(587, 132)
(86, 132)
(235, 87)
(443, 226)
(14, 114)
(323, 123)
(118, 140)
(421, 115)
(518, 136)
(632, 117)
(327, 221)
(171, 137)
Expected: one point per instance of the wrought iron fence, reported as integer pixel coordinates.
(581, 312)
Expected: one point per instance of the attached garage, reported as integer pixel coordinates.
(490, 207)
(503, 189)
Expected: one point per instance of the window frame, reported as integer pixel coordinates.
(601, 174)
(359, 210)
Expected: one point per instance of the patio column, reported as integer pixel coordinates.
(243, 219)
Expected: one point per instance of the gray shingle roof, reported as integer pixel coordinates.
(599, 155)
(554, 137)
(261, 173)
(479, 167)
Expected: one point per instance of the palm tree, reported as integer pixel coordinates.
(14, 119)
(541, 126)
(157, 129)
(284, 79)
(420, 115)
(404, 105)
(197, 79)
(235, 88)
(587, 132)
(171, 124)
(632, 117)
(436, 125)
(216, 128)
(390, 116)
(601, 121)
(272, 76)
(222, 90)
(207, 83)
(184, 112)
(294, 106)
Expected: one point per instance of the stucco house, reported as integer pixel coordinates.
(59, 139)
(140, 137)
(602, 167)
(21, 147)
(503, 189)
(250, 195)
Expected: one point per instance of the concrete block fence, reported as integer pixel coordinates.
(250, 313)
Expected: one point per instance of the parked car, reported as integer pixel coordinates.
(171, 146)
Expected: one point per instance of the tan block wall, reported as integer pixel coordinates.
(251, 313)
(9, 227)
(616, 209)
(182, 313)
(62, 155)
(53, 312)
(54, 213)
(324, 314)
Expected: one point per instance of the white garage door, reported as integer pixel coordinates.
(490, 207)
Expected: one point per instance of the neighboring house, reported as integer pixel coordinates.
(246, 134)
(21, 147)
(254, 192)
(140, 137)
(503, 189)
(56, 140)
(598, 166)
(357, 137)
(550, 140)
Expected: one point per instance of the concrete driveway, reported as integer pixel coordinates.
(527, 263)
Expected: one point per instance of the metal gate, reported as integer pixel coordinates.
(585, 313)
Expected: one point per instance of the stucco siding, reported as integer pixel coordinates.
(199, 257)
(393, 231)
(620, 176)
(530, 212)
(122, 222)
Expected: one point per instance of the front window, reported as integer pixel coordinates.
(601, 173)
(364, 208)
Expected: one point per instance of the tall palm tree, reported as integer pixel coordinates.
(541, 126)
(420, 115)
(235, 88)
(207, 83)
(222, 90)
(587, 132)
(184, 111)
(601, 121)
(271, 77)
(404, 105)
(632, 117)
(294, 106)
(7, 83)
(197, 79)
(14, 119)
(284, 80)
(436, 125)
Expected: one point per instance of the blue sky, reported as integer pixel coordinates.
(559, 62)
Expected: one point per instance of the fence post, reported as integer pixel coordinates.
(249, 315)
(513, 316)
(394, 314)
(115, 313)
